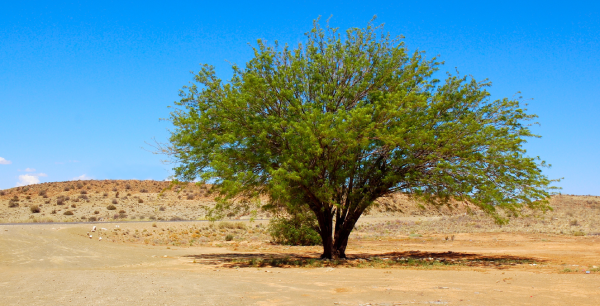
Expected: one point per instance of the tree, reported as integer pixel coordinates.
(337, 122)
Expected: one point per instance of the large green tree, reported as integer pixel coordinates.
(345, 118)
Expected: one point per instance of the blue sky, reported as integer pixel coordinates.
(83, 85)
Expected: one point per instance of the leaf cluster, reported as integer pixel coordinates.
(341, 120)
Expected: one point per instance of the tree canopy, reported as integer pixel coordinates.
(346, 118)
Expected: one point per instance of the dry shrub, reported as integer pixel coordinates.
(34, 209)
(68, 213)
(111, 207)
(232, 225)
(114, 201)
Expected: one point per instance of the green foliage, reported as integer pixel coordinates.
(298, 229)
(342, 120)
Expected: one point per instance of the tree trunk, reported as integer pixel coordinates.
(325, 220)
(342, 233)
(328, 250)
(339, 247)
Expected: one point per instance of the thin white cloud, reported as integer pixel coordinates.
(3, 161)
(27, 179)
(82, 177)
(29, 170)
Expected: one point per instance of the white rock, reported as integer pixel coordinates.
(94, 228)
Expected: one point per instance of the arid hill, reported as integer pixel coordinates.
(135, 200)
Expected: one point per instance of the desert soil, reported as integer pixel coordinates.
(399, 254)
(44, 264)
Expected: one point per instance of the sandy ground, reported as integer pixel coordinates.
(52, 264)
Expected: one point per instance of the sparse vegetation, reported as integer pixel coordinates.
(14, 202)
(447, 222)
(34, 209)
(111, 207)
(68, 213)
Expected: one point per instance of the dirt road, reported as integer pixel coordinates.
(50, 264)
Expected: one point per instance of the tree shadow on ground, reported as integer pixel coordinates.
(379, 260)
